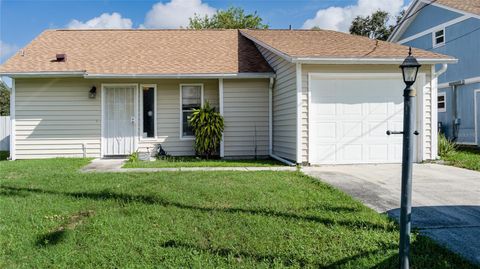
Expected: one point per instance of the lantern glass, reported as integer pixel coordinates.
(410, 74)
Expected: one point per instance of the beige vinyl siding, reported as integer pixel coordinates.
(427, 101)
(55, 118)
(168, 116)
(246, 117)
(428, 120)
(284, 106)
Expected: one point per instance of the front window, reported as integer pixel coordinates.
(439, 38)
(442, 102)
(148, 96)
(191, 98)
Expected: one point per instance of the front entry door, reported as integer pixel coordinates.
(119, 119)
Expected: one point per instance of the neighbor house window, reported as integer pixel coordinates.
(148, 102)
(438, 38)
(191, 97)
(442, 102)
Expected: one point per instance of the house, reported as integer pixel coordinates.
(304, 96)
(451, 27)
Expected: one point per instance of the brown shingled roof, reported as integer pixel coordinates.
(331, 44)
(471, 6)
(140, 52)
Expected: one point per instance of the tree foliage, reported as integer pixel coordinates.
(374, 26)
(4, 100)
(208, 127)
(232, 18)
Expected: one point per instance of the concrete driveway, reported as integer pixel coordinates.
(446, 200)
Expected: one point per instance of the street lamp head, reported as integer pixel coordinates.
(410, 68)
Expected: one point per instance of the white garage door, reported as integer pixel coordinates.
(349, 115)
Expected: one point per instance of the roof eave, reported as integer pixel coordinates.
(330, 60)
(43, 74)
(86, 75)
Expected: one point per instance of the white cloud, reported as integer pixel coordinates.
(104, 21)
(7, 50)
(175, 14)
(339, 18)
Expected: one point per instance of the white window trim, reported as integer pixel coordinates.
(181, 110)
(154, 86)
(434, 39)
(444, 109)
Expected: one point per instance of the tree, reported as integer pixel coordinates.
(4, 100)
(374, 26)
(232, 18)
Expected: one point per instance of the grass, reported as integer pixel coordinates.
(4, 155)
(464, 157)
(54, 216)
(198, 162)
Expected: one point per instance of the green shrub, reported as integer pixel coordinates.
(133, 158)
(208, 127)
(445, 145)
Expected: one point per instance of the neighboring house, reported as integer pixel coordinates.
(310, 97)
(451, 27)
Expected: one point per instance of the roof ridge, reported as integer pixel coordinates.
(146, 30)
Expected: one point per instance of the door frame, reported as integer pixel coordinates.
(104, 87)
(419, 123)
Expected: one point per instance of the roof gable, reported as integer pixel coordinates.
(298, 45)
(140, 52)
(466, 8)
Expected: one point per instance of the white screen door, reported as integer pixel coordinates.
(119, 120)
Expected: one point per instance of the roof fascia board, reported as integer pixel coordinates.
(368, 60)
(43, 74)
(170, 76)
(268, 47)
(456, 10)
(143, 76)
(438, 27)
(399, 30)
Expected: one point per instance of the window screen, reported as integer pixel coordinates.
(191, 99)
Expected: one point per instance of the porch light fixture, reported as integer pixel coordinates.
(92, 93)
(409, 68)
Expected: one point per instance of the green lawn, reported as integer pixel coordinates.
(54, 216)
(465, 157)
(197, 162)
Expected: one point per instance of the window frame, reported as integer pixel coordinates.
(434, 37)
(444, 109)
(189, 137)
(154, 86)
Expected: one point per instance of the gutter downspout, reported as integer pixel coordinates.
(441, 71)
(270, 126)
(270, 116)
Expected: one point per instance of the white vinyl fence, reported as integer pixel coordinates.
(4, 133)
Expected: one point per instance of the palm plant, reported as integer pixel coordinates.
(208, 127)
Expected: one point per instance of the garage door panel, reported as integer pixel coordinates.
(351, 128)
(349, 118)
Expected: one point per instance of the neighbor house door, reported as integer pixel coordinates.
(119, 119)
(477, 116)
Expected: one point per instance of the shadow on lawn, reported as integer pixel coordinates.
(421, 248)
(147, 199)
(286, 260)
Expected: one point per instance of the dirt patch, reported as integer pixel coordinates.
(58, 234)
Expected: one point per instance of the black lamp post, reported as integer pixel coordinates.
(409, 68)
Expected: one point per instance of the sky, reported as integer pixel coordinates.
(22, 20)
